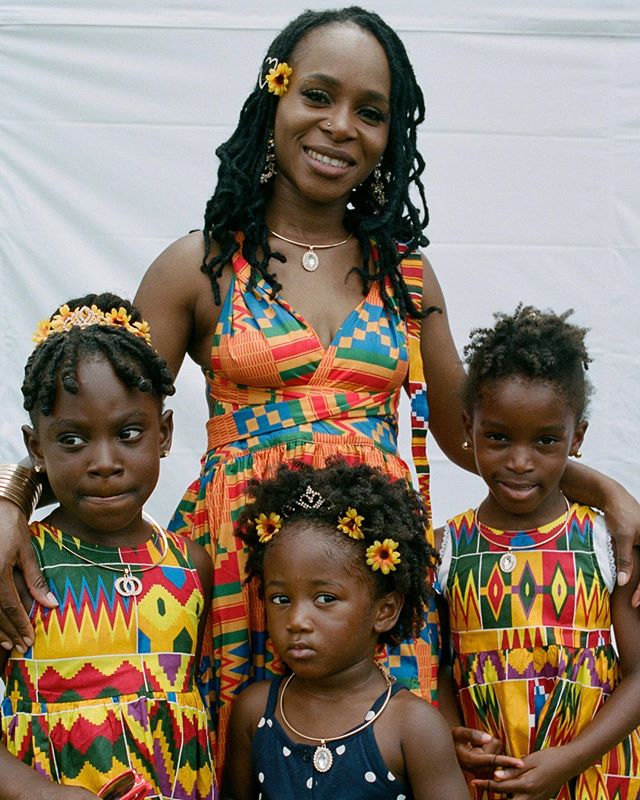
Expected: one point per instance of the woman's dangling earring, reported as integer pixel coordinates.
(269, 161)
(378, 188)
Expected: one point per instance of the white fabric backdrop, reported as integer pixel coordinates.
(110, 115)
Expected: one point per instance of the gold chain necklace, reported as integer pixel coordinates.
(128, 585)
(310, 260)
(508, 560)
(322, 756)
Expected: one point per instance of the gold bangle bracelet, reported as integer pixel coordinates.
(19, 485)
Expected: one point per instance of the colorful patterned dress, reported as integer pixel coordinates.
(278, 395)
(109, 683)
(534, 659)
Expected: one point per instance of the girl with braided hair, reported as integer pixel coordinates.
(308, 306)
(530, 581)
(106, 693)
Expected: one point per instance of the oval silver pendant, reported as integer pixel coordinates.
(128, 585)
(507, 562)
(322, 758)
(310, 261)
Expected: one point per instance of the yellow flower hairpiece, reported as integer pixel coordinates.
(83, 317)
(383, 556)
(351, 524)
(277, 79)
(267, 526)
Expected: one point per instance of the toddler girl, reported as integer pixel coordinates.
(341, 557)
(109, 684)
(530, 580)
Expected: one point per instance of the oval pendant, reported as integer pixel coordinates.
(310, 261)
(322, 758)
(507, 562)
(128, 585)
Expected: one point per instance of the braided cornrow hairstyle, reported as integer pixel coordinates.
(239, 200)
(391, 510)
(54, 362)
(533, 344)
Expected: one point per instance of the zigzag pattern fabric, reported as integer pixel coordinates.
(534, 659)
(109, 683)
(278, 395)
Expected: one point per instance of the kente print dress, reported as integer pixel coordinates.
(278, 395)
(534, 658)
(109, 683)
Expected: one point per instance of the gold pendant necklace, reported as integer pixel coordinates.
(310, 259)
(322, 756)
(508, 560)
(128, 584)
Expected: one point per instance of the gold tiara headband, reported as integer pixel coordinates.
(84, 317)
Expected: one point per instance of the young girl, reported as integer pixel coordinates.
(340, 555)
(530, 579)
(109, 684)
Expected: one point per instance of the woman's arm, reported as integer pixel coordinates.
(444, 375)
(547, 770)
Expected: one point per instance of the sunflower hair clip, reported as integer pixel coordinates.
(65, 319)
(267, 526)
(277, 78)
(351, 524)
(383, 556)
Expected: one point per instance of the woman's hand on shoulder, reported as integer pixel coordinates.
(176, 299)
(16, 553)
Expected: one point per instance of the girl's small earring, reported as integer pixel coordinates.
(38, 468)
(269, 169)
(577, 454)
(165, 453)
(466, 445)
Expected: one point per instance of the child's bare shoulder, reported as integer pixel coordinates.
(414, 715)
(249, 705)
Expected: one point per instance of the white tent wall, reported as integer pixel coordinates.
(111, 112)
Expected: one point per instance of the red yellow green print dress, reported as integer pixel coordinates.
(278, 395)
(534, 658)
(109, 683)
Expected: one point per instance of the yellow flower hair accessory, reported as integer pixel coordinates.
(383, 556)
(267, 526)
(351, 524)
(83, 317)
(277, 79)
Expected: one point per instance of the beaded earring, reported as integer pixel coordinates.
(378, 188)
(269, 161)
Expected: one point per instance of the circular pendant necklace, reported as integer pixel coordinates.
(508, 560)
(310, 259)
(128, 584)
(322, 756)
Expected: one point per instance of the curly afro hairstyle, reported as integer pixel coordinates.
(240, 198)
(532, 344)
(54, 362)
(391, 509)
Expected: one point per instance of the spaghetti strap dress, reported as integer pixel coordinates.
(278, 396)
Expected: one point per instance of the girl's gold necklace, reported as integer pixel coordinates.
(322, 756)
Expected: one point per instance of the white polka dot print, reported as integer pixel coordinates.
(370, 777)
(310, 783)
(369, 715)
(261, 723)
(261, 777)
(391, 776)
(340, 749)
(402, 797)
(285, 751)
(270, 723)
